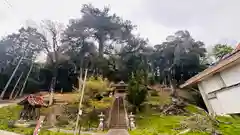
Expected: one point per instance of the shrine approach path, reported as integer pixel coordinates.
(118, 123)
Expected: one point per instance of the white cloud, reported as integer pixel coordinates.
(211, 21)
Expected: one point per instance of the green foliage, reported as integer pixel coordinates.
(154, 93)
(179, 58)
(158, 100)
(229, 125)
(137, 91)
(220, 50)
(97, 85)
(149, 124)
(44, 132)
(104, 103)
(194, 109)
(91, 109)
(11, 113)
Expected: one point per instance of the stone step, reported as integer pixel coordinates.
(117, 132)
(118, 119)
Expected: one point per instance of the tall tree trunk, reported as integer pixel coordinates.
(145, 70)
(80, 83)
(14, 88)
(52, 86)
(172, 83)
(55, 69)
(81, 71)
(101, 47)
(25, 82)
(173, 87)
(10, 79)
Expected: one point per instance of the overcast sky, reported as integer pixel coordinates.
(211, 21)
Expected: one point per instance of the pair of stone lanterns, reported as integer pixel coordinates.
(130, 117)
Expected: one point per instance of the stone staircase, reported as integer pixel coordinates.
(118, 116)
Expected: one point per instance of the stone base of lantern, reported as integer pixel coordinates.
(100, 126)
(132, 125)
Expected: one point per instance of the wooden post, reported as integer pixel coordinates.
(39, 125)
(80, 103)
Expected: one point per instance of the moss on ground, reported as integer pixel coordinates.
(194, 109)
(229, 125)
(152, 123)
(155, 124)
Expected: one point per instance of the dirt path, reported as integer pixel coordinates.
(4, 103)
(117, 132)
(72, 131)
(2, 132)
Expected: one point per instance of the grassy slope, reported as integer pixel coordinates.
(231, 128)
(149, 124)
(152, 123)
(12, 113)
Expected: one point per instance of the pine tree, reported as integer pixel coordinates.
(137, 91)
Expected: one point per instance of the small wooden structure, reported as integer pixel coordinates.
(31, 107)
(120, 87)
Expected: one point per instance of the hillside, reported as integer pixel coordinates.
(189, 120)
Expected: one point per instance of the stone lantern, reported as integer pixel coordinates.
(131, 121)
(101, 119)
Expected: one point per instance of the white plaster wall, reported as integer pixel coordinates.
(231, 75)
(205, 99)
(229, 100)
(212, 83)
(216, 105)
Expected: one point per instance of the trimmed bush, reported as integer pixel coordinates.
(96, 86)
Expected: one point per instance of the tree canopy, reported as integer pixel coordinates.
(221, 50)
(104, 43)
